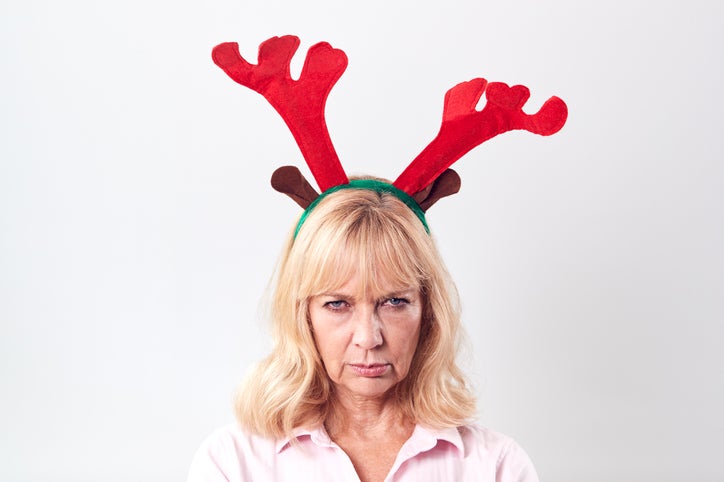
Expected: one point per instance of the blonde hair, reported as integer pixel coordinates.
(375, 236)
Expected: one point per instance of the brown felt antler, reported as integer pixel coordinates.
(290, 181)
(299, 102)
(446, 184)
(463, 127)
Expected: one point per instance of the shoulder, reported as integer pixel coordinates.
(512, 463)
(225, 456)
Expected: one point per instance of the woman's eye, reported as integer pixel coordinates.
(396, 301)
(335, 305)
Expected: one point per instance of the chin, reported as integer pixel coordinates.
(370, 387)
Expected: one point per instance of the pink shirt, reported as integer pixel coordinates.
(469, 453)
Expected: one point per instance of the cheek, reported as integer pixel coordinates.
(413, 341)
(330, 343)
(405, 338)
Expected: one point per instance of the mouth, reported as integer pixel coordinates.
(371, 370)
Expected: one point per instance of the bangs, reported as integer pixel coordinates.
(385, 249)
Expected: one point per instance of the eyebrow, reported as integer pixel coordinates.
(331, 294)
(404, 292)
(400, 293)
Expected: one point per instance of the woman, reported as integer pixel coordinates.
(362, 382)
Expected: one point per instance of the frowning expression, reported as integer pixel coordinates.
(366, 340)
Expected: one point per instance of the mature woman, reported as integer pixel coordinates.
(362, 382)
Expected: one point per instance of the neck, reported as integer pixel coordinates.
(364, 417)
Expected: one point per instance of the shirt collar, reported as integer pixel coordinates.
(421, 440)
(425, 438)
(317, 435)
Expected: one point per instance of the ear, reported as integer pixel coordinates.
(446, 184)
(290, 181)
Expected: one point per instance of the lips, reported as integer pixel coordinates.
(369, 370)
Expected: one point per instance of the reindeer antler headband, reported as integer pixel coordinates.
(301, 104)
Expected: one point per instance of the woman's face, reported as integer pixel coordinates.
(366, 341)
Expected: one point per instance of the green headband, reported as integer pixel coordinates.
(372, 185)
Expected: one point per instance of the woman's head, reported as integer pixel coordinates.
(376, 239)
(374, 242)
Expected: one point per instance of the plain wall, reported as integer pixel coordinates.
(138, 230)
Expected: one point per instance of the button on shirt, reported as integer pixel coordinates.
(468, 453)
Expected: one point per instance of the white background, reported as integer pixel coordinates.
(138, 230)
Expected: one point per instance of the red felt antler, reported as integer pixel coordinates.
(463, 127)
(299, 102)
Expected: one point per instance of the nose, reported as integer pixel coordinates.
(367, 328)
